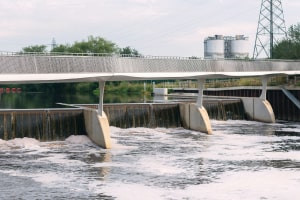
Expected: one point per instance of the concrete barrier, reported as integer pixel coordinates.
(195, 118)
(160, 91)
(258, 109)
(97, 128)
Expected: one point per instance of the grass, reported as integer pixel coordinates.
(220, 83)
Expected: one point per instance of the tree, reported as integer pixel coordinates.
(35, 49)
(61, 48)
(289, 48)
(129, 51)
(294, 33)
(92, 45)
(89, 46)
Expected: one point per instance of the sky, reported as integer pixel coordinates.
(153, 27)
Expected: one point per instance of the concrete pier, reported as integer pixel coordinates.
(194, 116)
(96, 122)
(258, 109)
(97, 128)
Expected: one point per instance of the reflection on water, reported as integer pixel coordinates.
(241, 160)
(46, 100)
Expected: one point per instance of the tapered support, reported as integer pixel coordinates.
(96, 122)
(201, 83)
(194, 116)
(101, 95)
(264, 81)
(259, 109)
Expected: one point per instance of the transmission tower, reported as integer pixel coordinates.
(53, 43)
(271, 28)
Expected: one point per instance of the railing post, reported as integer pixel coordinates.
(264, 81)
(101, 95)
(201, 83)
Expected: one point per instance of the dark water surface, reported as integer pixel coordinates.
(45, 100)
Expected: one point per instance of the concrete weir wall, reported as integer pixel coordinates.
(195, 118)
(258, 109)
(97, 128)
(41, 124)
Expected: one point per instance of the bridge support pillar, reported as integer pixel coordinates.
(194, 116)
(96, 123)
(259, 109)
(101, 95)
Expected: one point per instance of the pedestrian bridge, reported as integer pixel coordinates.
(55, 68)
(47, 68)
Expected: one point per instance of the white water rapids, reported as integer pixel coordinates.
(241, 160)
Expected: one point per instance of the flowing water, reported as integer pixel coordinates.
(241, 160)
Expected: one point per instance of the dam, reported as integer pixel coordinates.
(58, 124)
(162, 163)
(54, 68)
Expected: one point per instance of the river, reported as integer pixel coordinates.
(241, 160)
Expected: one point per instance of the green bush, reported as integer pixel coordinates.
(126, 87)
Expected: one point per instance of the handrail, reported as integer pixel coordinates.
(8, 53)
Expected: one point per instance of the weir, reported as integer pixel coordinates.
(283, 107)
(41, 124)
(58, 124)
(141, 115)
(53, 68)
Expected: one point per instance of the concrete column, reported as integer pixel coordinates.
(264, 81)
(97, 128)
(201, 83)
(96, 122)
(194, 116)
(260, 109)
(101, 95)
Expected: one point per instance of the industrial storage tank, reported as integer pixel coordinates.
(214, 47)
(239, 47)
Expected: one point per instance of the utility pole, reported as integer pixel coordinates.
(271, 28)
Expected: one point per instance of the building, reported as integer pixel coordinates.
(228, 47)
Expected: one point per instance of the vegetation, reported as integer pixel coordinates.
(136, 87)
(129, 51)
(92, 45)
(220, 83)
(289, 48)
(35, 48)
(89, 46)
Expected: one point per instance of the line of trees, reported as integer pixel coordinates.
(289, 48)
(91, 45)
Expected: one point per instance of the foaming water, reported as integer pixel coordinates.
(241, 160)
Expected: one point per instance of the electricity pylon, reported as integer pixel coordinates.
(271, 28)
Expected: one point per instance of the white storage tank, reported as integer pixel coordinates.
(214, 47)
(239, 47)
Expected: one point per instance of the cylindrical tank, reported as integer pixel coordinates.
(239, 47)
(214, 47)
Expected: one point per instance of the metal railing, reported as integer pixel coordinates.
(7, 53)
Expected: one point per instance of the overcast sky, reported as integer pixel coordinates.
(153, 27)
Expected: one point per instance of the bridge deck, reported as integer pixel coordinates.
(22, 68)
